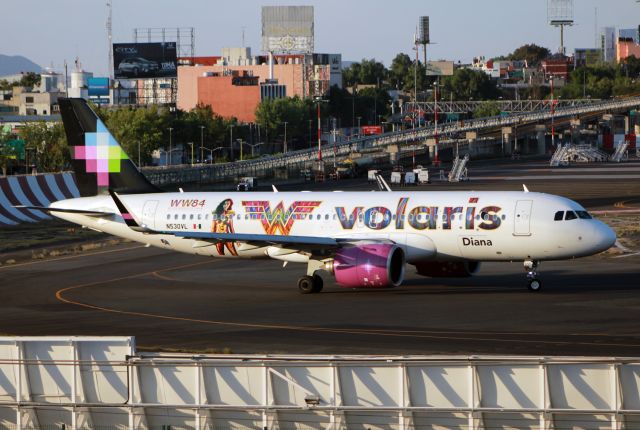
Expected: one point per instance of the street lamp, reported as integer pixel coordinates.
(285, 137)
(319, 100)
(231, 142)
(359, 130)
(191, 145)
(201, 143)
(170, 143)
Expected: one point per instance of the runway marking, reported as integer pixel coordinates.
(423, 334)
(69, 257)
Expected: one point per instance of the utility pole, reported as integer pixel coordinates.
(170, 144)
(201, 143)
(285, 137)
(109, 26)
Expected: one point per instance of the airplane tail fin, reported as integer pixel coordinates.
(100, 164)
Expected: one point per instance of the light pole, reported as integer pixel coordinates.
(231, 142)
(359, 130)
(201, 143)
(436, 161)
(170, 143)
(191, 145)
(319, 100)
(285, 137)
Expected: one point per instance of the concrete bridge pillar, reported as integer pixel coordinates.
(541, 146)
(472, 136)
(576, 128)
(506, 141)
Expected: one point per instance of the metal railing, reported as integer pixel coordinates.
(268, 165)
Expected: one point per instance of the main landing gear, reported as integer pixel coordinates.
(534, 283)
(311, 283)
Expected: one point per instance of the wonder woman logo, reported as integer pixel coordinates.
(278, 220)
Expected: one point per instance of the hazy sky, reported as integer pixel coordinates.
(50, 31)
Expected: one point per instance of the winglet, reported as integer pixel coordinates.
(275, 190)
(129, 219)
(524, 187)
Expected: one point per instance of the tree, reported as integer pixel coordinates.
(467, 84)
(367, 72)
(50, 144)
(143, 128)
(7, 153)
(486, 109)
(272, 114)
(531, 53)
(403, 74)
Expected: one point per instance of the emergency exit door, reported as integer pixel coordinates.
(522, 218)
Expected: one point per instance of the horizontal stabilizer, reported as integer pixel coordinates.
(68, 211)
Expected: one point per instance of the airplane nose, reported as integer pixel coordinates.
(605, 237)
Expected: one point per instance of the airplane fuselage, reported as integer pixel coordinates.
(442, 226)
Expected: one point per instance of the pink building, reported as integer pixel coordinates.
(627, 48)
(289, 75)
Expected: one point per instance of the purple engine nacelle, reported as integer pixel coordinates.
(375, 265)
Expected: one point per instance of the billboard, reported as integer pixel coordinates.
(370, 130)
(98, 87)
(144, 60)
(439, 68)
(287, 29)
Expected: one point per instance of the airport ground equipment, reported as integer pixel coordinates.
(569, 153)
(459, 170)
(620, 153)
(422, 175)
(106, 383)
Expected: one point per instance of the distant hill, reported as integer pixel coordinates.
(12, 64)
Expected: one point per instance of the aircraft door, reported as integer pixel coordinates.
(522, 218)
(149, 213)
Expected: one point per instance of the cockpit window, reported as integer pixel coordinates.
(559, 215)
(583, 215)
(570, 215)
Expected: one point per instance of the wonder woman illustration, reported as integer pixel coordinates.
(223, 223)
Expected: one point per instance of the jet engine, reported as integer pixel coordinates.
(375, 265)
(448, 269)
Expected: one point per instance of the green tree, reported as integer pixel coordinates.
(488, 108)
(50, 144)
(403, 74)
(144, 128)
(466, 84)
(272, 114)
(7, 154)
(531, 53)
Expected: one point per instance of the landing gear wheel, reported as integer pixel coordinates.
(534, 285)
(318, 283)
(306, 285)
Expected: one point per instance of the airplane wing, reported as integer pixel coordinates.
(262, 239)
(69, 211)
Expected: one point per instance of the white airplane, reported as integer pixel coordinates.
(365, 239)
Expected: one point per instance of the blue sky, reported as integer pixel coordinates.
(48, 32)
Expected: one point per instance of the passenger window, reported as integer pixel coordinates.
(199, 217)
(206, 217)
(215, 217)
(191, 216)
(246, 216)
(168, 216)
(334, 217)
(559, 215)
(184, 216)
(570, 215)
(583, 215)
(175, 216)
(326, 217)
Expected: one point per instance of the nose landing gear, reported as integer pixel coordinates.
(531, 267)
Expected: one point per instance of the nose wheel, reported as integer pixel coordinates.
(531, 267)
